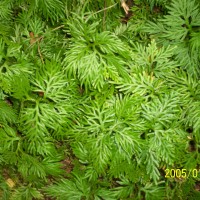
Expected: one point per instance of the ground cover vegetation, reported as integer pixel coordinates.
(99, 100)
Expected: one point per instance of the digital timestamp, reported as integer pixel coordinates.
(181, 173)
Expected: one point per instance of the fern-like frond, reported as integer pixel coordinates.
(67, 189)
(36, 26)
(92, 56)
(5, 9)
(177, 28)
(7, 114)
(186, 85)
(153, 59)
(195, 42)
(163, 143)
(26, 192)
(192, 118)
(37, 130)
(142, 84)
(23, 87)
(8, 138)
(151, 160)
(52, 9)
(51, 82)
(30, 166)
(162, 112)
(153, 192)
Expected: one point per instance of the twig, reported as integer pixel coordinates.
(41, 57)
(36, 40)
(57, 28)
(105, 9)
(104, 15)
(40, 38)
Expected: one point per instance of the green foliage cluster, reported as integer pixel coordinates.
(92, 108)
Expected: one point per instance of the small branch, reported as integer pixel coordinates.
(41, 57)
(36, 40)
(40, 38)
(58, 28)
(105, 9)
(104, 15)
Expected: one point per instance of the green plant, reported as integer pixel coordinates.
(91, 108)
(180, 28)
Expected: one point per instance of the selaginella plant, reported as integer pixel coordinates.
(93, 109)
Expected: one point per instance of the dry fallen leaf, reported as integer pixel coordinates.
(125, 6)
(10, 182)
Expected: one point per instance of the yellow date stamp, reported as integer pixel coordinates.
(181, 173)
